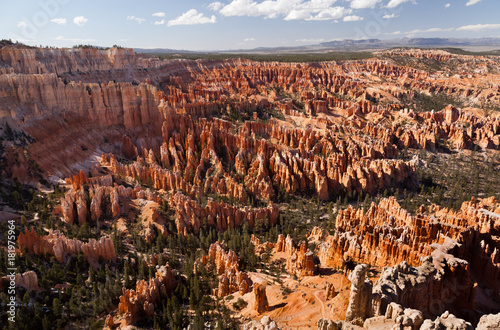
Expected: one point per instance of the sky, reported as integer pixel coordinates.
(240, 24)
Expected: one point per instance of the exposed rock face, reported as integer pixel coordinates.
(59, 246)
(27, 280)
(189, 214)
(446, 321)
(489, 322)
(231, 279)
(435, 286)
(387, 234)
(327, 324)
(134, 303)
(451, 248)
(261, 305)
(330, 291)
(151, 221)
(300, 261)
(94, 100)
(265, 324)
(359, 307)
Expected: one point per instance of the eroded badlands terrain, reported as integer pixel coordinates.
(180, 193)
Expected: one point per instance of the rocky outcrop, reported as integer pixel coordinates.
(404, 318)
(152, 221)
(261, 304)
(299, 261)
(265, 324)
(27, 280)
(226, 266)
(446, 321)
(140, 302)
(330, 291)
(59, 246)
(439, 284)
(189, 214)
(359, 307)
(327, 324)
(489, 322)
(386, 235)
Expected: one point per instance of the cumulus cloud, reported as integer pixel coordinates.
(472, 2)
(288, 9)
(353, 18)
(387, 16)
(215, 6)
(315, 14)
(60, 21)
(159, 22)
(80, 21)
(360, 4)
(447, 5)
(479, 27)
(192, 17)
(137, 19)
(249, 39)
(267, 8)
(395, 3)
(159, 14)
(21, 24)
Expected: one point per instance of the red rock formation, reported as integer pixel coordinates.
(330, 291)
(27, 280)
(261, 304)
(147, 293)
(360, 297)
(298, 261)
(231, 279)
(301, 261)
(189, 214)
(59, 246)
(151, 220)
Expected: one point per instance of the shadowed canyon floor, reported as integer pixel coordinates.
(176, 193)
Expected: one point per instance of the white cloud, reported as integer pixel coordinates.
(353, 18)
(430, 30)
(360, 4)
(159, 22)
(80, 21)
(289, 9)
(21, 24)
(215, 6)
(479, 27)
(307, 11)
(267, 8)
(74, 40)
(387, 16)
(192, 17)
(159, 14)
(395, 3)
(448, 5)
(472, 2)
(137, 19)
(395, 33)
(312, 41)
(249, 39)
(60, 21)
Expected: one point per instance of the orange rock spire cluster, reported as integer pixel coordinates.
(59, 246)
(231, 279)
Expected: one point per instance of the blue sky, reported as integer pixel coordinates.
(235, 24)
